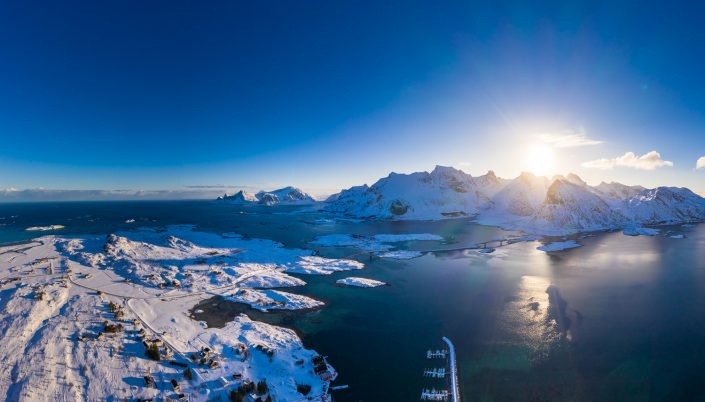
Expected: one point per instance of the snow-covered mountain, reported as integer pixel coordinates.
(664, 205)
(569, 206)
(445, 192)
(286, 195)
(521, 196)
(531, 203)
(616, 193)
(241, 197)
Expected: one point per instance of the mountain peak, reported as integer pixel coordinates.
(528, 177)
(445, 170)
(559, 186)
(491, 176)
(574, 178)
(240, 197)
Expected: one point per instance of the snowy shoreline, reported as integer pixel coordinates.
(360, 282)
(559, 246)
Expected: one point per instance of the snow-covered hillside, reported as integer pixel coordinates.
(536, 204)
(522, 196)
(286, 195)
(92, 318)
(570, 206)
(445, 192)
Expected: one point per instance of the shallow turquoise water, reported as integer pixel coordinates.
(619, 319)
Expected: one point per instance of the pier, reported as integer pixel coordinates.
(440, 373)
(455, 390)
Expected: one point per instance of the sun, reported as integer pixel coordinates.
(539, 160)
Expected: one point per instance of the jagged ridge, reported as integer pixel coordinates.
(532, 203)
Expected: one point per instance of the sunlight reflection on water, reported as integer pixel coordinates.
(525, 318)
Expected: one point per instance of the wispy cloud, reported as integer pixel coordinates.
(700, 163)
(648, 161)
(568, 140)
(219, 186)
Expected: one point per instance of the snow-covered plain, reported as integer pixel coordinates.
(360, 282)
(534, 204)
(61, 298)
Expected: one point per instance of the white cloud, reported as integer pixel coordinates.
(700, 164)
(648, 161)
(568, 140)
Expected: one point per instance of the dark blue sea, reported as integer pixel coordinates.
(619, 319)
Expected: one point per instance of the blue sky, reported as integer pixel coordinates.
(325, 95)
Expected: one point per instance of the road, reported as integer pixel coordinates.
(181, 294)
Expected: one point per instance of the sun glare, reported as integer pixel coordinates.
(539, 160)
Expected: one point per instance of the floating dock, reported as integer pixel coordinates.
(436, 354)
(435, 372)
(434, 395)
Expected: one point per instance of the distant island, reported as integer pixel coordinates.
(286, 195)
